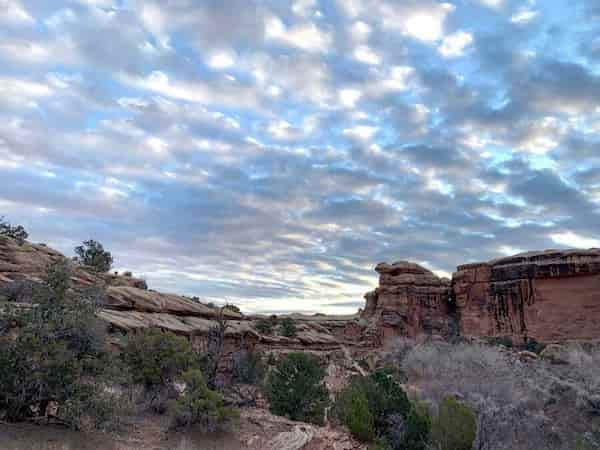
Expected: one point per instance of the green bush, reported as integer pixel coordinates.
(384, 398)
(533, 345)
(93, 255)
(295, 388)
(455, 426)
(288, 328)
(15, 232)
(248, 367)
(201, 406)
(359, 418)
(266, 326)
(52, 360)
(417, 429)
(156, 358)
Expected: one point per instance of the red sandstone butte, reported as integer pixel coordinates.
(409, 301)
(551, 296)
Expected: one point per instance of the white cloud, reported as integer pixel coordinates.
(304, 7)
(306, 36)
(12, 11)
(454, 45)
(221, 60)
(398, 78)
(524, 16)
(349, 97)
(361, 132)
(360, 30)
(570, 239)
(492, 3)
(200, 91)
(15, 88)
(157, 145)
(367, 55)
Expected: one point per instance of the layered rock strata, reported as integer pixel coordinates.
(550, 296)
(410, 300)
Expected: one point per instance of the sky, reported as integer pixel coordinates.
(270, 153)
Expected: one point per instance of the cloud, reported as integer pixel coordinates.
(454, 44)
(274, 156)
(573, 240)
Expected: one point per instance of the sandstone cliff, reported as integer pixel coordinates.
(128, 305)
(551, 296)
(410, 300)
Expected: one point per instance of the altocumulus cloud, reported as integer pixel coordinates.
(271, 153)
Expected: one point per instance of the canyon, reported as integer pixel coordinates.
(550, 296)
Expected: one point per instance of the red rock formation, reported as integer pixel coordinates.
(410, 300)
(553, 295)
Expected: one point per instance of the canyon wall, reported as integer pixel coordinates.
(551, 296)
(409, 301)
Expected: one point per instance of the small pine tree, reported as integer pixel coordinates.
(288, 327)
(93, 255)
(156, 358)
(16, 232)
(295, 388)
(455, 426)
(201, 406)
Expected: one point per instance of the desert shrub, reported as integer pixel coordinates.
(357, 415)
(20, 291)
(53, 359)
(295, 388)
(93, 407)
(518, 405)
(533, 345)
(266, 326)
(455, 426)
(506, 341)
(385, 401)
(288, 327)
(156, 358)
(417, 428)
(93, 255)
(16, 232)
(199, 405)
(248, 367)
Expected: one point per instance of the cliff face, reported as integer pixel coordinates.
(550, 296)
(410, 300)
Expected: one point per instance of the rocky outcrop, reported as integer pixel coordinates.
(410, 300)
(550, 296)
(128, 305)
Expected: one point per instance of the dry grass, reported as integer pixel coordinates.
(521, 404)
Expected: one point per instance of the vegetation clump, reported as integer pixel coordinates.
(295, 388)
(455, 426)
(93, 255)
(13, 231)
(155, 360)
(58, 358)
(266, 326)
(376, 409)
(201, 406)
(288, 327)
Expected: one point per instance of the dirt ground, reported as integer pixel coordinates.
(257, 429)
(145, 433)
